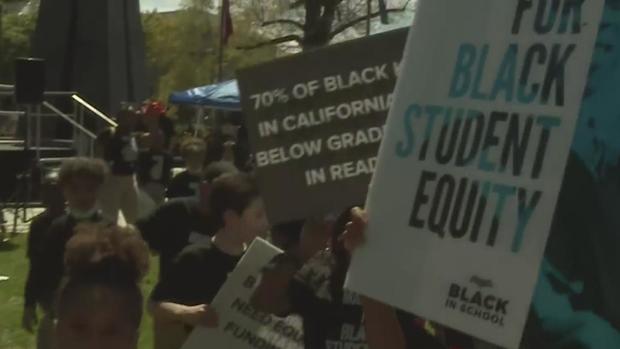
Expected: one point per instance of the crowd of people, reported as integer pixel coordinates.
(83, 287)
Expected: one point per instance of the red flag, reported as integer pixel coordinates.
(226, 22)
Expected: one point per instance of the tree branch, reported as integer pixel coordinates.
(280, 40)
(297, 3)
(284, 21)
(359, 20)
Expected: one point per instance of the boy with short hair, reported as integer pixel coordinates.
(181, 222)
(186, 183)
(182, 297)
(80, 180)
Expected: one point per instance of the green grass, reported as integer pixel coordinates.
(13, 263)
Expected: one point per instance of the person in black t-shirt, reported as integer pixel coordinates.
(186, 183)
(181, 298)
(119, 148)
(173, 226)
(80, 180)
(54, 203)
(181, 222)
(308, 280)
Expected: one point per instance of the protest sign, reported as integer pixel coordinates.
(240, 325)
(315, 121)
(473, 159)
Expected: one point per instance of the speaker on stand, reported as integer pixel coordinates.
(29, 95)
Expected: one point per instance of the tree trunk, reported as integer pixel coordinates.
(320, 17)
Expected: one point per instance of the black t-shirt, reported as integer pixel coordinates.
(172, 227)
(154, 167)
(166, 125)
(196, 275)
(49, 266)
(184, 184)
(330, 324)
(120, 152)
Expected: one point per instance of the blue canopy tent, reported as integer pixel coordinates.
(221, 96)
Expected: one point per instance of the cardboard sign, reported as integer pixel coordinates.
(240, 325)
(315, 121)
(473, 159)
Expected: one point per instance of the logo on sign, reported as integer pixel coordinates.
(478, 299)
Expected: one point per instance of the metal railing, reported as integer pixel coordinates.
(82, 140)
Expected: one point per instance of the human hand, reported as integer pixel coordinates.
(200, 315)
(354, 234)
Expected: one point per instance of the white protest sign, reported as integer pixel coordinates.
(240, 325)
(470, 168)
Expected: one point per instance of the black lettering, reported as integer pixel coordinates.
(537, 50)
(491, 140)
(543, 24)
(476, 299)
(503, 192)
(433, 111)
(572, 8)
(445, 155)
(463, 158)
(547, 123)
(463, 295)
(482, 205)
(555, 74)
(522, 5)
(454, 291)
(420, 199)
(516, 145)
(441, 202)
(459, 230)
(238, 305)
(488, 302)
(249, 282)
(501, 306)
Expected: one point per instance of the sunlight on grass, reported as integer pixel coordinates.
(13, 263)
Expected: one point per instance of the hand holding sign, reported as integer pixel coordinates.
(200, 315)
(353, 237)
(473, 158)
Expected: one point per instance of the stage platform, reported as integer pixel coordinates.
(15, 160)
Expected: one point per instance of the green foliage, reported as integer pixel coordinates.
(13, 263)
(183, 47)
(15, 36)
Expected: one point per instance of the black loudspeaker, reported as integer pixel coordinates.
(29, 80)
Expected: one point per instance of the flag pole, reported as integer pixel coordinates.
(220, 60)
(368, 13)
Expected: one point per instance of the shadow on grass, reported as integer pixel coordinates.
(7, 246)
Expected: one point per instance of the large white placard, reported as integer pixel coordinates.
(469, 171)
(240, 325)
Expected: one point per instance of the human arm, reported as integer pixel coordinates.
(173, 299)
(196, 315)
(155, 227)
(383, 329)
(277, 290)
(36, 235)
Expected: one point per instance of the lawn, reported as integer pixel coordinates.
(13, 263)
